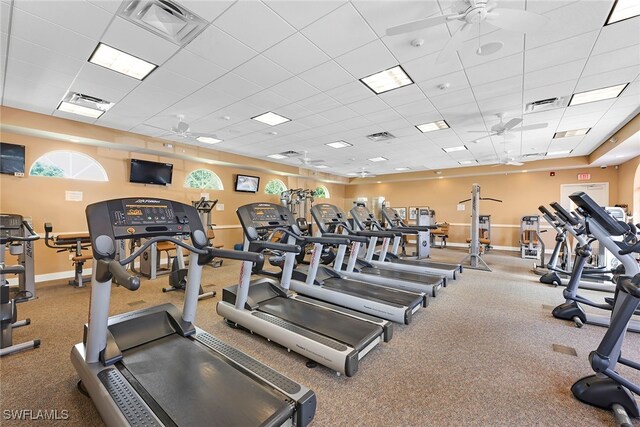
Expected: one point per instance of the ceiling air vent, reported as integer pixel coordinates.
(290, 153)
(545, 104)
(164, 18)
(380, 136)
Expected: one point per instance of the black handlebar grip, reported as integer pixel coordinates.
(239, 255)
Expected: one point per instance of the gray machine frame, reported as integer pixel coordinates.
(475, 257)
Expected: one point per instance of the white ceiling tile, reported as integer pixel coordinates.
(254, 24)
(208, 10)
(497, 70)
(351, 92)
(139, 42)
(110, 6)
(367, 60)
(422, 106)
(234, 85)
(50, 36)
(31, 95)
(65, 14)
(569, 21)
(75, 117)
(556, 90)
(509, 102)
(616, 36)
(267, 100)
(38, 55)
(450, 99)
(568, 50)
(498, 88)
(200, 104)
(426, 68)
(513, 44)
(5, 15)
(319, 103)
(567, 71)
(296, 54)
(403, 95)
(262, 71)
(348, 31)
(100, 82)
(39, 75)
(611, 78)
(216, 46)
(302, 13)
(295, 111)
(339, 114)
(327, 76)
(314, 120)
(382, 15)
(173, 82)
(368, 105)
(294, 89)
(611, 61)
(194, 67)
(455, 81)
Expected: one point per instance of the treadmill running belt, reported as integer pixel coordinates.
(424, 263)
(401, 275)
(353, 332)
(196, 388)
(374, 293)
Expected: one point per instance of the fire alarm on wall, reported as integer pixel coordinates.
(552, 174)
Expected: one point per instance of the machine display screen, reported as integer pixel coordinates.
(141, 214)
(360, 212)
(264, 214)
(328, 213)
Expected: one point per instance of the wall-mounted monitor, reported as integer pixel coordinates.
(11, 159)
(146, 172)
(247, 183)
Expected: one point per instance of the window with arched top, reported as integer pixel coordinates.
(321, 192)
(275, 186)
(69, 165)
(204, 179)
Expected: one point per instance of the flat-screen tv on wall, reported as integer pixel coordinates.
(146, 172)
(247, 183)
(11, 159)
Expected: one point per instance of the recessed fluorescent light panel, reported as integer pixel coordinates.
(558, 153)
(378, 159)
(208, 140)
(271, 119)
(121, 62)
(569, 133)
(597, 94)
(277, 156)
(454, 149)
(403, 169)
(84, 105)
(468, 162)
(339, 144)
(387, 80)
(623, 9)
(430, 127)
(322, 167)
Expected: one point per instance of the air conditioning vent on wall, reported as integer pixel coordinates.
(164, 18)
(380, 136)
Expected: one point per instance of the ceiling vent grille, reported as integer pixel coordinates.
(380, 136)
(164, 18)
(87, 101)
(291, 153)
(545, 104)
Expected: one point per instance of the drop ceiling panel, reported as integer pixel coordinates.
(497, 70)
(208, 10)
(294, 89)
(327, 76)
(75, 117)
(216, 46)
(5, 15)
(382, 15)
(557, 90)
(31, 95)
(426, 68)
(65, 14)
(267, 100)
(110, 6)
(367, 60)
(616, 36)
(566, 71)
(194, 67)
(35, 54)
(403, 95)
(302, 13)
(262, 71)
(351, 92)
(254, 24)
(200, 104)
(33, 73)
(139, 42)
(611, 78)
(296, 54)
(368, 105)
(340, 31)
(172, 82)
(498, 88)
(508, 102)
(455, 81)
(319, 103)
(100, 82)
(568, 50)
(448, 100)
(621, 58)
(295, 111)
(512, 45)
(416, 109)
(50, 36)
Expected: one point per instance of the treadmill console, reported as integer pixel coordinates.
(362, 215)
(258, 218)
(391, 215)
(141, 218)
(328, 217)
(10, 226)
(598, 213)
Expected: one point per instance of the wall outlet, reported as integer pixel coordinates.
(220, 207)
(461, 207)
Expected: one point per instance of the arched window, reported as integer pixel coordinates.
(69, 165)
(203, 179)
(275, 186)
(322, 192)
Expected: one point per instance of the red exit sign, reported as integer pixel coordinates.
(584, 176)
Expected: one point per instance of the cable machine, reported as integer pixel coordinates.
(475, 259)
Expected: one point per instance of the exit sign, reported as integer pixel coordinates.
(584, 176)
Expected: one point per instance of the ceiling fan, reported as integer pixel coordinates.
(470, 13)
(307, 161)
(505, 129)
(364, 173)
(181, 129)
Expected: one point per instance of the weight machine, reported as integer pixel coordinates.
(74, 244)
(475, 257)
(531, 244)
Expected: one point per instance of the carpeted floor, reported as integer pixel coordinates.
(480, 354)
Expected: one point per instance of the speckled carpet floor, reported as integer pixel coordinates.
(480, 354)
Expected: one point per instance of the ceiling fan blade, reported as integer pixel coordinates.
(478, 131)
(532, 127)
(516, 20)
(512, 123)
(454, 43)
(417, 25)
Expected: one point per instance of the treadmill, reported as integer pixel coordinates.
(154, 367)
(331, 335)
(331, 219)
(364, 219)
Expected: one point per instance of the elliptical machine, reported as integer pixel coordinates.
(16, 234)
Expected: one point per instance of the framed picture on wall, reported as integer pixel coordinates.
(413, 212)
(402, 212)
